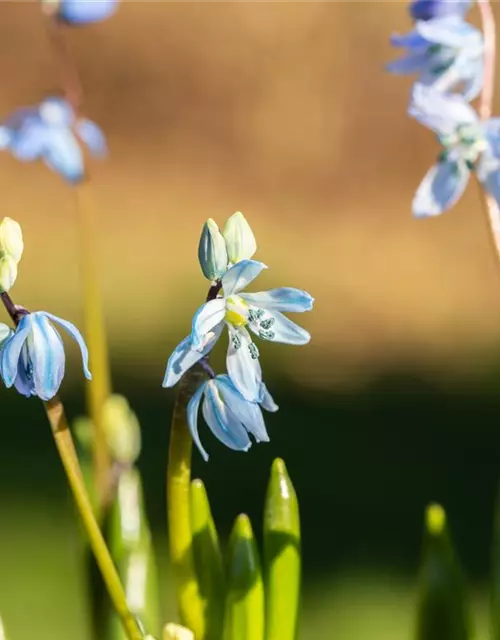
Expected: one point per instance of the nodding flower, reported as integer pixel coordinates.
(81, 12)
(32, 357)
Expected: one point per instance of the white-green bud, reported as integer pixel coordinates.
(176, 632)
(212, 252)
(11, 239)
(240, 241)
(122, 430)
(8, 272)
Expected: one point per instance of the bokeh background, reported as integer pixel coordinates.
(281, 110)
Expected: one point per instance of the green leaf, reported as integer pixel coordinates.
(3, 635)
(208, 561)
(129, 540)
(282, 560)
(442, 611)
(244, 612)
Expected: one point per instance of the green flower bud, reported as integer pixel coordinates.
(122, 430)
(240, 241)
(8, 272)
(11, 239)
(176, 632)
(212, 252)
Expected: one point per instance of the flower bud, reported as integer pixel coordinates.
(212, 252)
(240, 241)
(122, 430)
(176, 632)
(8, 272)
(11, 239)
(82, 11)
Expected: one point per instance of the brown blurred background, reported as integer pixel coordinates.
(281, 110)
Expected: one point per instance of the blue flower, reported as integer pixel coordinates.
(446, 53)
(229, 415)
(468, 145)
(32, 358)
(52, 132)
(429, 9)
(260, 312)
(85, 11)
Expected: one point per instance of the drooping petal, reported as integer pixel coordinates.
(5, 333)
(248, 413)
(184, 357)
(192, 418)
(208, 316)
(410, 40)
(240, 275)
(489, 175)
(29, 142)
(46, 353)
(86, 11)
(11, 350)
(222, 421)
(24, 382)
(63, 155)
(441, 112)
(77, 337)
(492, 133)
(282, 299)
(266, 400)
(282, 330)
(92, 136)
(57, 113)
(440, 189)
(450, 31)
(243, 363)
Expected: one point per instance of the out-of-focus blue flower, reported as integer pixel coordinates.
(446, 53)
(229, 415)
(53, 133)
(85, 11)
(260, 312)
(468, 145)
(429, 9)
(32, 357)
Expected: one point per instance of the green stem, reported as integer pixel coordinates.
(178, 508)
(69, 458)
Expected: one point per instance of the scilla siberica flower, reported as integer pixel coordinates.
(468, 145)
(83, 11)
(229, 415)
(446, 53)
(260, 312)
(429, 9)
(53, 133)
(32, 356)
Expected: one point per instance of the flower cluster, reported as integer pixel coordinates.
(32, 357)
(447, 53)
(232, 402)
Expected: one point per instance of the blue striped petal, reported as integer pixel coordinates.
(248, 413)
(63, 155)
(222, 421)
(46, 355)
(266, 400)
(192, 418)
(205, 320)
(282, 299)
(92, 136)
(243, 363)
(11, 350)
(77, 337)
(283, 330)
(440, 189)
(240, 275)
(441, 112)
(184, 356)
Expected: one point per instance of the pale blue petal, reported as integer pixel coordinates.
(283, 330)
(429, 9)
(11, 350)
(57, 112)
(451, 31)
(240, 275)
(77, 337)
(63, 155)
(441, 112)
(410, 40)
(411, 63)
(248, 413)
(492, 133)
(46, 354)
(6, 137)
(222, 421)
(184, 357)
(440, 189)
(266, 400)
(243, 363)
(29, 142)
(23, 382)
(282, 299)
(192, 418)
(86, 11)
(208, 316)
(92, 136)
(491, 180)
(473, 82)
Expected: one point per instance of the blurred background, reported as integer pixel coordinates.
(281, 110)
